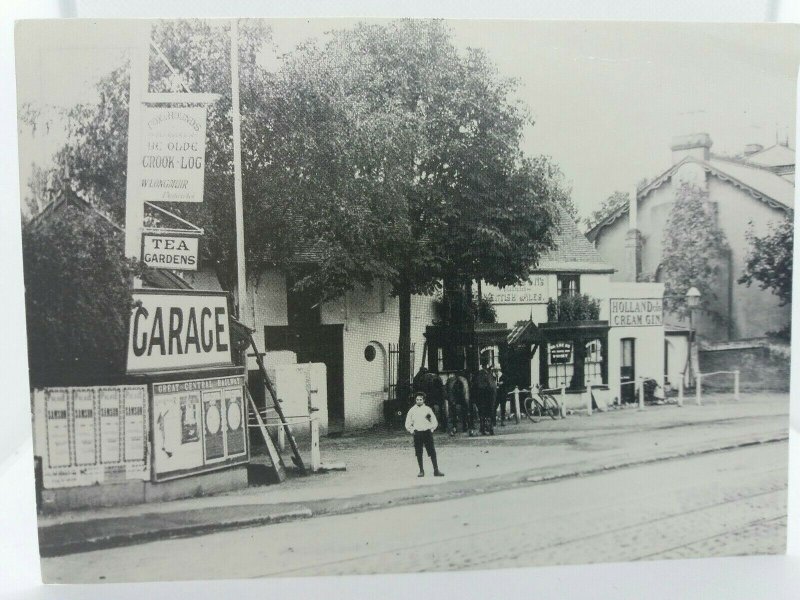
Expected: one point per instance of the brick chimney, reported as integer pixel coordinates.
(695, 145)
(633, 240)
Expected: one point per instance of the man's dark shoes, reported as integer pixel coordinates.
(438, 474)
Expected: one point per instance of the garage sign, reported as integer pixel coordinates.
(174, 330)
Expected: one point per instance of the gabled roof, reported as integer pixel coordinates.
(761, 182)
(774, 156)
(572, 252)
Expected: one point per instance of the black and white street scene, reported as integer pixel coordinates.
(324, 297)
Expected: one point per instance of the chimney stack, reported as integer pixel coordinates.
(694, 145)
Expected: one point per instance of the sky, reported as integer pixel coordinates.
(607, 98)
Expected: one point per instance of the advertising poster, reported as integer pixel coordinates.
(215, 433)
(135, 424)
(83, 426)
(234, 417)
(198, 425)
(56, 411)
(109, 400)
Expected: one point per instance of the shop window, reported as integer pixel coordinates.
(569, 284)
(560, 364)
(593, 363)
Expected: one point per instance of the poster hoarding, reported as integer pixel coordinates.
(91, 435)
(198, 425)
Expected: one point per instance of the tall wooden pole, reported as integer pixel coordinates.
(139, 84)
(241, 274)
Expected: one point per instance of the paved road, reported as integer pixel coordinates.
(723, 504)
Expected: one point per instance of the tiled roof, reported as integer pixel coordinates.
(573, 252)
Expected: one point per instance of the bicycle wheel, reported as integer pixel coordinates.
(552, 408)
(534, 409)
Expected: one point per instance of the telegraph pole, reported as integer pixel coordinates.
(241, 277)
(139, 86)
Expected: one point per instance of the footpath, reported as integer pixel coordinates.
(382, 471)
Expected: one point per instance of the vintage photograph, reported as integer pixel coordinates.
(357, 296)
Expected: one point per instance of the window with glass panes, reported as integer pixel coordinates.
(593, 363)
(569, 284)
(560, 364)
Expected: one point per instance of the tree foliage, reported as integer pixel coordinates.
(693, 249)
(609, 205)
(78, 298)
(383, 154)
(577, 307)
(769, 261)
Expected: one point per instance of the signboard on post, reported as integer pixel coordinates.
(173, 330)
(198, 425)
(534, 291)
(173, 151)
(170, 251)
(636, 312)
(91, 435)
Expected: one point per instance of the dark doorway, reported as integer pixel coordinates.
(318, 344)
(627, 370)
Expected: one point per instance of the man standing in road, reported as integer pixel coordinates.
(420, 422)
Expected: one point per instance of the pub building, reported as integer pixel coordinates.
(614, 336)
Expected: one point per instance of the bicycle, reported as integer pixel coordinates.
(543, 404)
(538, 406)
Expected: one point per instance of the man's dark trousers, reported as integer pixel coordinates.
(425, 439)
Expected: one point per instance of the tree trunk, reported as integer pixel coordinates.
(404, 346)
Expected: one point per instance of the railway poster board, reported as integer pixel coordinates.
(198, 425)
(91, 435)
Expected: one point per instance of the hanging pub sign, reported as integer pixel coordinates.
(561, 353)
(198, 425)
(170, 251)
(533, 291)
(172, 154)
(174, 329)
(636, 312)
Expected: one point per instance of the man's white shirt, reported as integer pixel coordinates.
(421, 418)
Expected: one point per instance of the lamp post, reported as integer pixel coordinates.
(692, 300)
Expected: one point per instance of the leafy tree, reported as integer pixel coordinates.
(77, 296)
(693, 249)
(769, 261)
(387, 152)
(404, 156)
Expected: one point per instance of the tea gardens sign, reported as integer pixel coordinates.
(176, 330)
(170, 251)
(636, 312)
